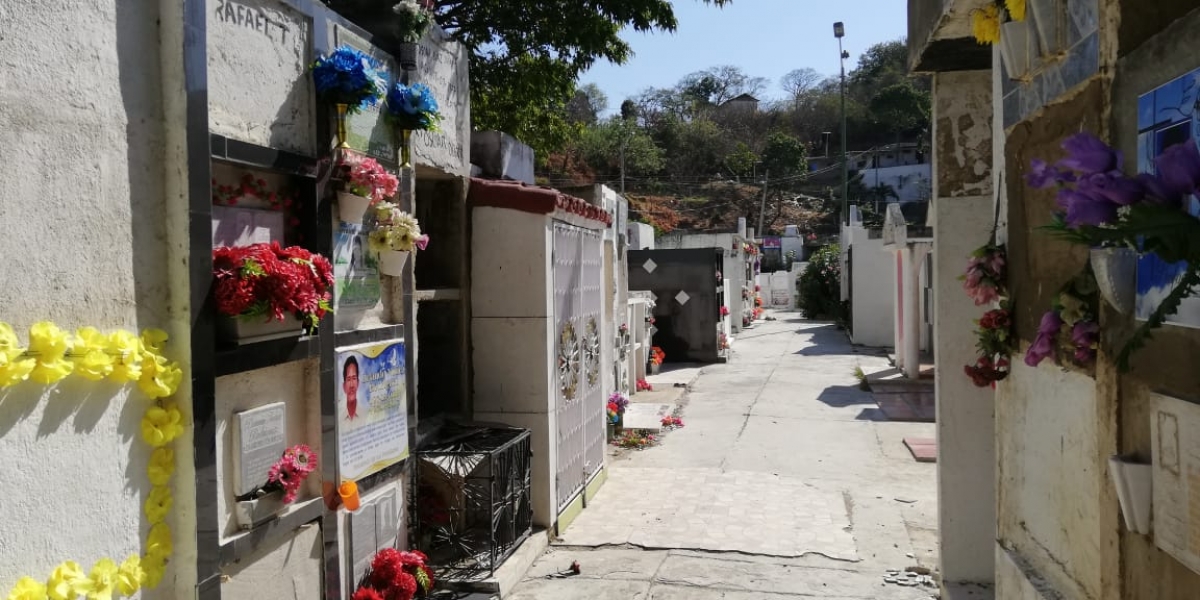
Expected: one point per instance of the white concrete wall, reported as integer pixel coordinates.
(293, 564)
(874, 275)
(85, 225)
(965, 413)
(513, 336)
(641, 236)
(1053, 488)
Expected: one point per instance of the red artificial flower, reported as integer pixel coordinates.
(403, 587)
(385, 568)
(272, 279)
(366, 593)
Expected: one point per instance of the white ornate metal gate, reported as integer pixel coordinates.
(578, 318)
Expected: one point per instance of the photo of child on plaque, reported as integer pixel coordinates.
(372, 408)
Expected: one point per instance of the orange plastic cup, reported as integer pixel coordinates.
(348, 491)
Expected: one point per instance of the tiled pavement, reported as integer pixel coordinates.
(731, 512)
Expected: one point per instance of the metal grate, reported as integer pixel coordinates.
(472, 506)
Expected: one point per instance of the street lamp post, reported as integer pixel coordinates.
(839, 31)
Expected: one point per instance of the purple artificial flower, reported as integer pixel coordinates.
(1177, 169)
(1113, 186)
(1041, 174)
(1084, 335)
(1043, 345)
(1158, 192)
(1088, 154)
(1083, 209)
(421, 242)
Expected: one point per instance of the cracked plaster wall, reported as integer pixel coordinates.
(962, 132)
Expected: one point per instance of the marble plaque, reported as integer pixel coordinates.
(374, 527)
(1175, 437)
(646, 415)
(259, 439)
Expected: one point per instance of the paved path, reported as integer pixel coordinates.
(786, 482)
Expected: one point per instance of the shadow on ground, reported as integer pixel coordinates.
(827, 340)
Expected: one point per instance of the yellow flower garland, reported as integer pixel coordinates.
(122, 357)
(985, 24)
(1016, 9)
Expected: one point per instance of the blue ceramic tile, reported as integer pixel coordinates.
(1167, 101)
(1031, 100)
(1083, 16)
(1145, 112)
(1012, 109)
(1052, 84)
(1082, 62)
(1145, 157)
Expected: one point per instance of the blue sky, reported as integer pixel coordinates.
(766, 38)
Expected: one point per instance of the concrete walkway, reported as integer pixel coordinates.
(786, 482)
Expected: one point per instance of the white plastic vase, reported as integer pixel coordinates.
(1046, 16)
(1016, 48)
(1116, 276)
(391, 262)
(351, 207)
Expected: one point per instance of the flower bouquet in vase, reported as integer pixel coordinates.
(411, 108)
(657, 356)
(367, 183)
(396, 575)
(617, 403)
(267, 291)
(281, 488)
(396, 235)
(350, 81)
(412, 21)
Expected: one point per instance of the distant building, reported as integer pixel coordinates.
(745, 102)
(890, 155)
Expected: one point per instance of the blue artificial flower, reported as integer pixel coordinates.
(413, 107)
(348, 76)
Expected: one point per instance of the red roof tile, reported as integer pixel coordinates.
(516, 195)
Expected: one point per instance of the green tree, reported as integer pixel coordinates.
(601, 146)
(820, 286)
(527, 56)
(588, 104)
(784, 155)
(901, 108)
(740, 162)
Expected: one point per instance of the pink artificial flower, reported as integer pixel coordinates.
(421, 242)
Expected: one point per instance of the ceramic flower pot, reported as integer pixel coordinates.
(352, 207)
(248, 330)
(252, 513)
(1016, 48)
(408, 56)
(1116, 276)
(654, 367)
(391, 262)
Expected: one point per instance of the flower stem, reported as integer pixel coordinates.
(1168, 307)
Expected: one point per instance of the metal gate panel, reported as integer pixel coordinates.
(594, 401)
(578, 319)
(569, 401)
